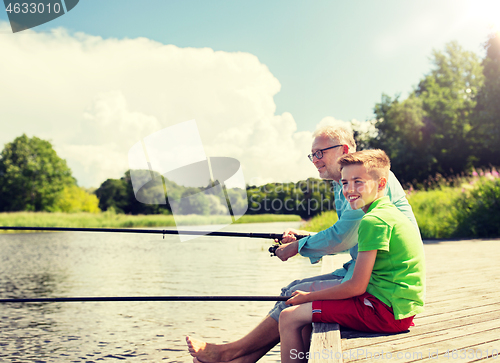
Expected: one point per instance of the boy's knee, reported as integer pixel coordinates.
(286, 317)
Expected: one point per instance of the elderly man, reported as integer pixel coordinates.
(329, 144)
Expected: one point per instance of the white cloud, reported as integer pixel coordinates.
(94, 98)
(332, 121)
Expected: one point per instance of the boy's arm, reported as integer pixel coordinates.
(354, 287)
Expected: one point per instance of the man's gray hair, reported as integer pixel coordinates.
(340, 133)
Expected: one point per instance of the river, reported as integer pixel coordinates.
(112, 264)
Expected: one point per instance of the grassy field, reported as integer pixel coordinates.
(112, 220)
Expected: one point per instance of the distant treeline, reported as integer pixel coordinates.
(305, 198)
(34, 178)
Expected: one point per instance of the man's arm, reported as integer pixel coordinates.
(354, 287)
(342, 236)
(290, 245)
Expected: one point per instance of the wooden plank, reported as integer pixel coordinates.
(428, 332)
(325, 344)
(487, 340)
(489, 350)
(458, 314)
(437, 309)
(432, 351)
(466, 295)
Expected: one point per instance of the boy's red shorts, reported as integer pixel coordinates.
(356, 313)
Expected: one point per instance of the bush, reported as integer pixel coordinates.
(477, 210)
(433, 210)
(76, 199)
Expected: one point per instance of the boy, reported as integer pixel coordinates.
(387, 287)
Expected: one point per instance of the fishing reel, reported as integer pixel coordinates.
(274, 247)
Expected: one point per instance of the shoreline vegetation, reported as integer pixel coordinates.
(466, 206)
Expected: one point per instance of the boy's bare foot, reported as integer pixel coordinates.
(203, 352)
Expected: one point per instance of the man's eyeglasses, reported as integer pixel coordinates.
(319, 153)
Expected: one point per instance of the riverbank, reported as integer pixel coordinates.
(113, 220)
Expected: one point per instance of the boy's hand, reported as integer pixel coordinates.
(298, 297)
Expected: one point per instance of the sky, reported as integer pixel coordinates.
(258, 77)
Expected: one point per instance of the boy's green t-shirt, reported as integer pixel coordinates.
(398, 277)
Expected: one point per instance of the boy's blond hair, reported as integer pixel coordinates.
(337, 133)
(375, 161)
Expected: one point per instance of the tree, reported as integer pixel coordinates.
(486, 119)
(113, 194)
(403, 134)
(76, 199)
(448, 96)
(32, 175)
(429, 132)
(119, 195)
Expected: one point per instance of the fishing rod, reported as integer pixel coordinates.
(272, 249)
(146, 298)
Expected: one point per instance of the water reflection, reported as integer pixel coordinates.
(92, 264)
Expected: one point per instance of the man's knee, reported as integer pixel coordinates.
(286, 291)
(292, 284)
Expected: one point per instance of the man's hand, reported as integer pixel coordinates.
(298, 297)
(284, 252)
(290, 233)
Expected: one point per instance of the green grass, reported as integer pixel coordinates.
(112, 220)
(459, 207)
(268, 218)
(435, 211)
(321, 222)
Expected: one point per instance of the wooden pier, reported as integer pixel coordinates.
(461, 322)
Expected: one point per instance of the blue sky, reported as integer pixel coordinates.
(332, 59)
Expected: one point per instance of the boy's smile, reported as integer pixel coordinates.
(360, 188)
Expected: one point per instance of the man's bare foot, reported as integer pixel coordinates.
(203, 352)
